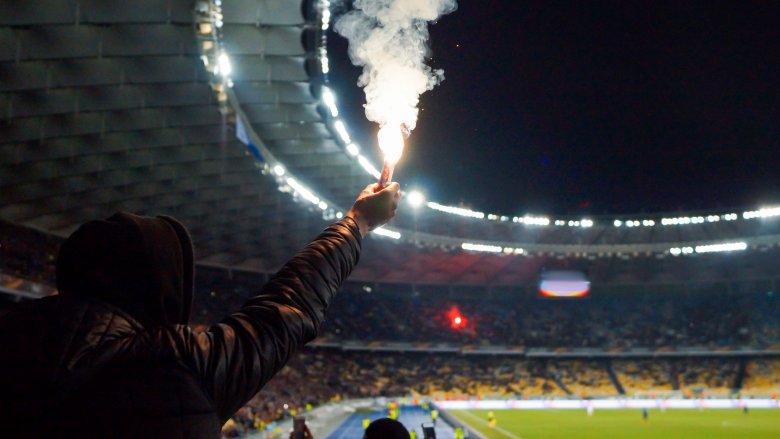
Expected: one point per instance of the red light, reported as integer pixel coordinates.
(457, 321)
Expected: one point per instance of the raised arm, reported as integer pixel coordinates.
(236, 357)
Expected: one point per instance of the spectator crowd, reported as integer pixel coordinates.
(714, 319)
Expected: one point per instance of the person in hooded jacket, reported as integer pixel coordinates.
(111, 356)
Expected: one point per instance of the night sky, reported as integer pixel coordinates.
(593, 107)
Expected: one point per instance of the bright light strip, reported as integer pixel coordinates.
(223, 61)
(353, 150)
(725, 247)
(536, 221)
(381, 231)
(765, 212)
(709, 248)
(279, 170)
(468, 246)
(456, 210)
(324, 62)
(342, 130)
(366, 164)
(325, 19)
(330, 101)
(303, 191)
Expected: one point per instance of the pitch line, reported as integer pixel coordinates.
(495, 427)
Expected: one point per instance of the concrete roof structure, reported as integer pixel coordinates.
(108, 105)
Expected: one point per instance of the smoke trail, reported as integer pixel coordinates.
(388, 38)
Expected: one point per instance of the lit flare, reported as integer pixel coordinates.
(391, 142)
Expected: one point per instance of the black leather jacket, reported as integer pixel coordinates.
(75, 365)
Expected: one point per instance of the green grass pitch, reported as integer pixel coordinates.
(618, 424)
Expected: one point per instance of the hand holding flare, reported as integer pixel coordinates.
(391, 142)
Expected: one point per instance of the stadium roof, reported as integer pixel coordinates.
(109, 106)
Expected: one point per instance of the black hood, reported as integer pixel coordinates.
(141, 265)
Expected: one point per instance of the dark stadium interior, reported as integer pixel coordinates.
(106, 107)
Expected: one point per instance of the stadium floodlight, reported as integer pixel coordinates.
(205, 28)
(303, 191)
(724, 247)
(279, 170)
(416, 198)
(342, 130)
(765, 212)
(223, 62)
(585, 223)
(535, 220)
(618, 223)
(353, 149)
(323, 205)
(325, 18)
(325, 65)
(469, 246)
(456, 210)
(330, 101)
(381, 231)
(368, 167)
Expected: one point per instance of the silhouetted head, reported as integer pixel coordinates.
(386, 428)
(142, 265)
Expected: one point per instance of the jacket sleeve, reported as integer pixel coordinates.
(236, 357)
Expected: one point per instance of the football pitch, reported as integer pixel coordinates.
(616, 424)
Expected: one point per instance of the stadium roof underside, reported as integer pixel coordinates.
(107, 105)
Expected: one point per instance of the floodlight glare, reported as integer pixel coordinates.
(416, 199)
(353, 149)
(225, 68)
(330, 101)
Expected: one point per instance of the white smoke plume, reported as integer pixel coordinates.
(389, 39)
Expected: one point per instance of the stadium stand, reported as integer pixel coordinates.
(762, 378)
(385, 340)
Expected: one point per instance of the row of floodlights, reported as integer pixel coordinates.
(300, 191)
(353, 150)
(709, 248)
(219, 61)
(417, 199)
(489, 248)
(329, 100)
